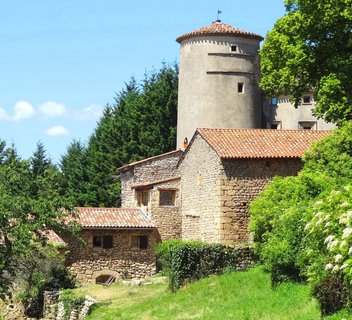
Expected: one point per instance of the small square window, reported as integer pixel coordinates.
(140, 242)
(307, 99)
(307, 125)
(274, 125)
(167, 197)
(240, 87)
(102, 242)
(234, 48)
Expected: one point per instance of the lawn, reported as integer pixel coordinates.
(236, 295)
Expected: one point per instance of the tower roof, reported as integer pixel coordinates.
(217, 28)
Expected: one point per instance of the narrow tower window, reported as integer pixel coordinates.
(234, 48)
(240, 87)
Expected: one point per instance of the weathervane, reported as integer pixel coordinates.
(218, 16)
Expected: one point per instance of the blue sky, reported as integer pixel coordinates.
(62, 61)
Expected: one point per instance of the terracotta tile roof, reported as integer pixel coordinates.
(260, 143)
(119, 218)
(218, 28)
(128, 166)
(52, 237)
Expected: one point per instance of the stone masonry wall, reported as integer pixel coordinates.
(167, 218)
(86, 263)
(153, 171)
(240, 183)
(200, 170)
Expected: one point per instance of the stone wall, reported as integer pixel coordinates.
(167, 218)
(157, 168)
(241, 182)
(86, 262)
(200, 169)
(155, 174)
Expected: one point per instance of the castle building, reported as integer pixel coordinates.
(239, 140)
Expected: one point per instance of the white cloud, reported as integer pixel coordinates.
(3, 114)
(52, 109)
(57, 131)
(92, 112)
(23, 110)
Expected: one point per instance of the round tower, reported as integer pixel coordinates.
(218, 80)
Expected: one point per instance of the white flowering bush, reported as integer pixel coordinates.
(329, 236)
(302, 226)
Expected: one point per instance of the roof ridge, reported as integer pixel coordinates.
(219, 28)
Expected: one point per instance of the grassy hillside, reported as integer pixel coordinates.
(237, 295)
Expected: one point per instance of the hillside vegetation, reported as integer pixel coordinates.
(234, 295)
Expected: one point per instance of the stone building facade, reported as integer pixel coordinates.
(218, 175)
(116, 242)
(153, 186)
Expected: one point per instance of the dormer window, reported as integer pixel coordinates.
(234, 48)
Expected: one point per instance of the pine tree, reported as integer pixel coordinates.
(73, 166)
(39, 160)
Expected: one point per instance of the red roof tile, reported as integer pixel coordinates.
(218, 28)
(260, 143)
(119, 218)
(52, 236)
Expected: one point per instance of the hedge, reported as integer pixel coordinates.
(184, 262)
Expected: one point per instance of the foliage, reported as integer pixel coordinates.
(332, 294)
(309, 48)
(71, 301)
(233, 295)
(25, 216)
(302, 225)
(73, 166)
(278, 218)
(185, 262)
(39, 161)
(140, 124)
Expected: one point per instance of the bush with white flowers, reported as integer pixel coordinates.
(329, 236)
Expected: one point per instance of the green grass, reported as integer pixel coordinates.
(236, 295)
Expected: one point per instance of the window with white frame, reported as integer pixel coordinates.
(307, 125)
(234, 48)
(274, 125)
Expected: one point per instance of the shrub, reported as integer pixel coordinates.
(71, 301)
(185, 262)
(332, 294)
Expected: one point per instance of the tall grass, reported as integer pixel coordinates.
(236, 295)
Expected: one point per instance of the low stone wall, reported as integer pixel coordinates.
(54, 309)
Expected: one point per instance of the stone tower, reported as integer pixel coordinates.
(218, 80)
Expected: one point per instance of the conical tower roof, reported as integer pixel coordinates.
(217, 28)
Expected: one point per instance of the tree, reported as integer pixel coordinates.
(310, 48)
(140, 124)
(73, 167)
(39, 160)
(302, 226)
(25, 216)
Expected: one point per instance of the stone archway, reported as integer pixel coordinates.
(105, 273)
